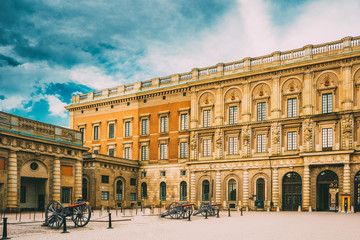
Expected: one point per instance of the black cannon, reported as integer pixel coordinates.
(55, 213)
(210, 208)
(179, 210)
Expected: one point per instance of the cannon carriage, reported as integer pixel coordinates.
(178, 210)
(55, 214)
(210, 208)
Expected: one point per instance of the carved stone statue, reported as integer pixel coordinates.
(218, 138)
(193, 142)
(346, 126)
(246, 136)
(307, 126)
(275, 133)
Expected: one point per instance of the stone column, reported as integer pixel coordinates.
(193, 187)
(347, 93)
(194, 109)
(218, 187)
(78, 178)
(56, 180)
(308, 92)
(346, 188)
(12, 187)
(219, 106)
(247, 103)
(275, 192)
(306, 187)
(246, 189)
(275, 101)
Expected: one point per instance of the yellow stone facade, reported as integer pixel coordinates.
(278, 131)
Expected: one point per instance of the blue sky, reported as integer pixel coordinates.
(50, 50)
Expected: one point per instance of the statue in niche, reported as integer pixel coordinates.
(193, 142)
(246, 136)
(307, 125)
(346, 126)
(275, 134)
(218, 138)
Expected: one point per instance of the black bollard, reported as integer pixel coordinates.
(206, 215)
(189, 215)
(120, 208)
(136, 209)
(110, 227)
(20, 215)
(217, 215)
(64, 225)
(241, 211)
(30, 213)
(117, 210)
(34, 215)
(229, 212)
(141, 208)
(5, 229)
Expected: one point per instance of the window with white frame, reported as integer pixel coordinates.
(96, 132)
(233, 115)
(327, 103)
(144, 153)
(111, 130)
(164, 124)
(292, 107)
(82, 130)
(261, 111)
(127, 129)
(127, 153)
(163, 151)
(260, 143)
(207, 147)
(184, 121)
(292, 140)
(111, 152)
(207, 118)
(144, 126)
(183, 149)
(233, 145)
(104, 195)
(327, 139)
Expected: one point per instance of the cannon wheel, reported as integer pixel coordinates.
(174, 210)
(213, 210)
(54, 215)
(81, 215)
(186, 210)
(203, 206)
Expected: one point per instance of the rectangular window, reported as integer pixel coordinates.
(233, 145)
(132, 196)
(96, 151)
(183, 149)
(133, 181)
(292, 107)
(207, 118)
(65, 194)
(66, 170)
(183, 172)
(184, 122)
(96, 132)
(111, 152)
(261, 111)
(104, 179)
(144, 153)
(143, 174)
(127, 129)
(163, 151)
(207, 147)
(82, 130)
(261, 143)
(23, 194)
(233, 115)
(291, 140)
(163, 124)
(144, 127)
(327, 103)
(104, 195)
(127, 153)
(111, 130)
(162, 173)
(327, 137)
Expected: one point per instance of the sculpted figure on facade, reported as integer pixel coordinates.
(219, 142)
(346, 131)
(308, 134)
(193, 145)
(275, 137)
(246, 136)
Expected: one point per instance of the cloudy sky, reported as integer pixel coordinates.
(50, 50)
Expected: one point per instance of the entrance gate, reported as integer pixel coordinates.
(291, 186)
(327, 191)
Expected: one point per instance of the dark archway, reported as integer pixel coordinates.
(291, 191)
(327, 186)
(357, 192)
(205, 190)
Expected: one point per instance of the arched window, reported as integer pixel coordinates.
(162, 191)
(260, 189)
(206, 190)
(119, 190)
(183, 191)
(232, 190)
(143, 191)
(85, 189)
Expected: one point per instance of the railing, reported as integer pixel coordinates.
(112, 91)
(355, 43)
(146, 84)
(299, 54)
(165, 80)
(129, 88)
(212, 70)
(336, 46)
(319, 50)
(203, 72)
(97, 94)
(186, 76)
(268, 59)
(239, 65)
(285, 56)
(229, 67)
(82, 97)
(255, 62)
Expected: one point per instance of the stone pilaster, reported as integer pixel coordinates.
(12, 187)
(306, 187)
(56, 180)
(247, 102)
(275, 101)
(192, 187)
(308, 92)
(346, 188)
(78, 178)
(194, 109)
(347, 92)
(275, 192)
(246, 189)
(219, 106)
(218, 187)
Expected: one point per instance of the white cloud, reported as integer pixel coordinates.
(56, 106)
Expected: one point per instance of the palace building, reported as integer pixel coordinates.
(39, 162)
(279, 130)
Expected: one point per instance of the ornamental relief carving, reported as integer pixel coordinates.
(193, 141)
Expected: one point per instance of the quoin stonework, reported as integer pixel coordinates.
(280, 131)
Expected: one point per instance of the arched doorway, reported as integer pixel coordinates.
(205, 190)
(183, 191)
(85, 189)
(291, 191)
(232, 190)
(143, 191)
(327, 189)
(357, 192)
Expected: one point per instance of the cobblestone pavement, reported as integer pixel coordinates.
(253, 225)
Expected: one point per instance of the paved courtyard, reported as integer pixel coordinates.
(252, 225)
